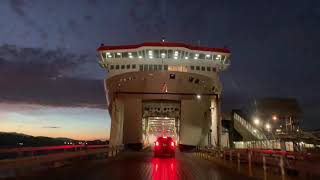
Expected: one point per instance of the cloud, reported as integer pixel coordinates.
(38, 76)
(17, 7)
(51, 127)
(87, 17)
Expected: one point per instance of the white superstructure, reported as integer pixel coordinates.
(163, 88)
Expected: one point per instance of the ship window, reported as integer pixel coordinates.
(155, 67)
(203, 68)
(125, 55)
(165, 67)
(118, 55)
(156, 53)
(104, 55)
(141, 67)
(197, 68)
(214, 69)
(186, 55)
(170, 53)
(109, 55)
(150, 67)
(117, 66)
(141, 54)
(134, 55)
(208, 68)
(201, 56)
(208, 57)
(112, 67)
(176, 54)
(145, 67)
(133, 66)
(192, 67)
(163, 53)
(191, 56)
(128, 66)
(122, 66)
(160, 67)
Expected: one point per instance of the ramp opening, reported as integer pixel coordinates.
(160, 118)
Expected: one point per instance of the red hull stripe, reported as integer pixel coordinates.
(163, 44)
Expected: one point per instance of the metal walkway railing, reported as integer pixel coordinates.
(256, 133)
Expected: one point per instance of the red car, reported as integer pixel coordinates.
(164, 146)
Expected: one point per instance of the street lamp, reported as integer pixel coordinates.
(198, 96)
(268, 126)
(256, 121)
(274, 117)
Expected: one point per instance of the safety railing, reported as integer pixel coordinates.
(16, 159)
(266, 164)
(251, 129)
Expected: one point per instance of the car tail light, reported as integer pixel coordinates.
(172, 144)
(157, 143)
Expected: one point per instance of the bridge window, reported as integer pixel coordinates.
(160, 67)
(176, 54)
(170, 53)
(192, 67)
(109, 55)
(133, 66)
(198, 68)
(155, 67)
(122, 66)
(163, 53)
(208, 57)
(150, 53)
(208, 68)
(141, 54)
(186, 55)
(104, 55)
(118, 55)
(201, 56)
(117, 66)
(112, 67)
(125, 55)
(141, 67)
(203, 68)
(128, 66)
(145, 67)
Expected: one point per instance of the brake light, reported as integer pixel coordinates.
(172, 144)
(157, 143)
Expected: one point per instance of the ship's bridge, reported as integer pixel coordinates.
(163, 56)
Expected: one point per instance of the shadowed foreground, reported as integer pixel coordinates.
(141, 165)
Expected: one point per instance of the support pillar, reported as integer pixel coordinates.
(215, 122)
(117, 117)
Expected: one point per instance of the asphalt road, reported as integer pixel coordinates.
(141, 165)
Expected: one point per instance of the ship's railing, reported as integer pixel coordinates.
(265, 164)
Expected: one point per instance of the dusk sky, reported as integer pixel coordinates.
(51, 84)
